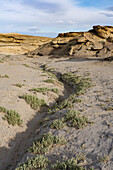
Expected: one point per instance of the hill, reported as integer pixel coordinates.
(13, 43)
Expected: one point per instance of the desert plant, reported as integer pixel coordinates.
(34, 102)
(104, 159)
(19, 85)
(13, 118)
(35, 162)
(71, 114)
(69, 164)
(49, 81)
(57, 124)
(79, 83)
(44, 90)
(45, 143)
(3, 109)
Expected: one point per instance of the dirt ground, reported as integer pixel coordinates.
(97, 138)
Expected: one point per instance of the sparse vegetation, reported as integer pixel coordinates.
(79, 83)
(104, 159)
(45, 143)
(69, 164)
(49, 81)
(19, 85)
(12, 117)
(34, 102)
(109, 108)
(57, 124)
(6, 76)
(44, 90)
(35, 162)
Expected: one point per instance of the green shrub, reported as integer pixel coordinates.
(57, 124)
(78, 82)
(44, 90)
(71, 114)
(34, 102)
(70, 164)
(3, 109)
(13, 118)
(49, 81)
(45, 143)
(79, 122)
(19, 85)
(35, 162)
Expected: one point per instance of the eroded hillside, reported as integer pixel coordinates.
(13, 43)
(96, 42)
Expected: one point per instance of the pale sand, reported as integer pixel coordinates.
(97, 139)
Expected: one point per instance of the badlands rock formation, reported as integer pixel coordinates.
(13, 43)
(96, 42)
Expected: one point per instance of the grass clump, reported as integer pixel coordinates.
(3, 109)
(35, 162)
(45, 143)
(109, 108)
(44, 90)
(104, 159)
(34, 102)
(71, 114)
(49, 81)
(19, 85)
(6, 76)
(57, 124)
(78, 82)
(75, 120)
(13, 118)
(70, 164)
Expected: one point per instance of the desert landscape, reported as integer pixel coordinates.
(56, 109)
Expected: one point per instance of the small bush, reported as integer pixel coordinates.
(35, 162)
(45, 143)
(19, 85)
(44, 90)
(71, 114)
(79, 122)
(13, 118)
(49, 81)
(57, 124)
(3, 109)
(70, 164)
(34, 102)
(78, 82)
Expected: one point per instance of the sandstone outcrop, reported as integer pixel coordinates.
(13, 43)
(96, 42)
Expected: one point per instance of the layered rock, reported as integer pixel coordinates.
(13, 43)
(96, 42)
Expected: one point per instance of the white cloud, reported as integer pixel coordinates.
(68, 16)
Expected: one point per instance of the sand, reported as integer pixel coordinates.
(97, 138)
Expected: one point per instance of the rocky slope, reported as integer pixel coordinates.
(13, 43)
(96, 42)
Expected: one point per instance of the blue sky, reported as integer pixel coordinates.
(50, 17)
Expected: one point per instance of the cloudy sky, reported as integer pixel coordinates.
(49, 17)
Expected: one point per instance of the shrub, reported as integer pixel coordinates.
(19, 85)
(34, 102)
(35, 162)
(70, 164)
(45, 143)
(71, 114)
(57, 124)
(78, 82)
(3, 109)
(49, 81)
(44, 90)
(13, 118)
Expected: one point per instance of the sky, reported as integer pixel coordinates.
(50, 17)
